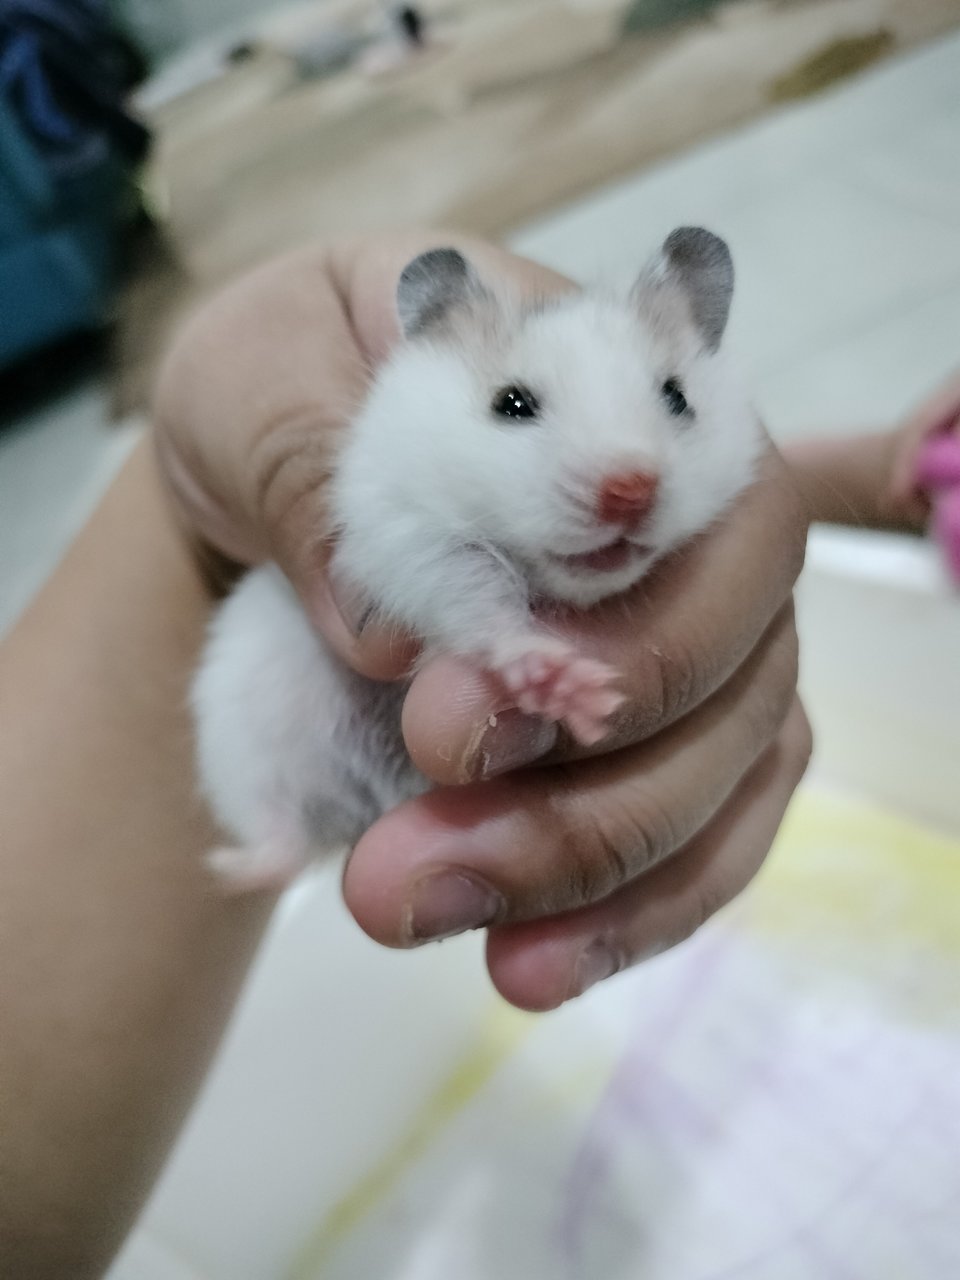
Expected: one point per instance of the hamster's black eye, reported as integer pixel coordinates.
(675, 400)
(515, 402)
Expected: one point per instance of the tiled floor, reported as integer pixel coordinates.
(844, 217)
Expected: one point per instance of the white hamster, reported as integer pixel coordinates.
(510, 454)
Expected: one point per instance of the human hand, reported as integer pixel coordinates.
(939, 413)
(592, 859)
(253, 397)
(871, 479)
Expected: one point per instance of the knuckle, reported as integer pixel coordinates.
(790, 661)
(796, 525)
(762, 719)
(289, 461)
(699, 911)
(607, 847)
(784, 671)
(600, 867)
(798, 740)
(671, 683)
(787, 515)
(772, 696)
(710, 898)
(764, 714)
(680, 680)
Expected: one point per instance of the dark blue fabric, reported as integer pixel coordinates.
(67, 149)
(67, 73)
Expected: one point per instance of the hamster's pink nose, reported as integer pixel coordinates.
(627, 497)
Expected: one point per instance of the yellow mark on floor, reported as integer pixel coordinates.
(867, 895)
(849, 860)
(832, 63)
(850, 891)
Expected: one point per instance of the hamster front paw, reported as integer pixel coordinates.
(550, 679)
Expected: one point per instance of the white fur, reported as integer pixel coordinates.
(449, 520)
(297, 755)
(471, 506)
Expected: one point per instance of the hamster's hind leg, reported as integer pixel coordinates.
(267, 865)
(329, 824)
(265, 868)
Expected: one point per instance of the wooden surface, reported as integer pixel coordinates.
(521, 106)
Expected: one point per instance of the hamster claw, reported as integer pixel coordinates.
(552, 681)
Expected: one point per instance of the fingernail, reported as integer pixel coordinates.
(595, 963)
(450, 902)
(509, 741)
(349, 599)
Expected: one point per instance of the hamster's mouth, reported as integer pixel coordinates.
(609, 559)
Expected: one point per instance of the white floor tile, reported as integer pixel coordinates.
(872, 376)
(823, 260)
(879, 636)
(844, 217)
(336, 1046)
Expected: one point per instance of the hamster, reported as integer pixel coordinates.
(511, 455)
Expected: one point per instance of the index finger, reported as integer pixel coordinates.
(676, 638)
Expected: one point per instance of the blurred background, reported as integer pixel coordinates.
(150, 151)
(776, 1100)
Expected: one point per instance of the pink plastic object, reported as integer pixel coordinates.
(938, 474)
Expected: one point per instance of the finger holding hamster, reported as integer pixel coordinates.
(676, 639)
(542, 964)
(553, 840)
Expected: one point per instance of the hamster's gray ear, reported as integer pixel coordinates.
(431, 286)
(696, 264)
